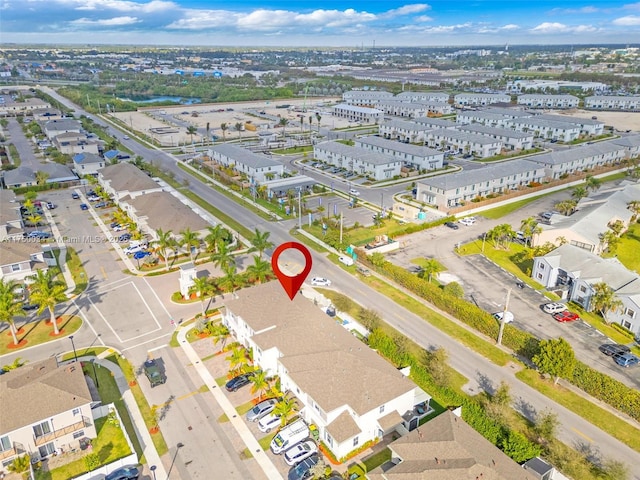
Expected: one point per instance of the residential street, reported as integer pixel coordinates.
(151, 330)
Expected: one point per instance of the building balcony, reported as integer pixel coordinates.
(18, 449)
(61, 432)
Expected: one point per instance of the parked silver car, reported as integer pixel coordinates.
(261, 409)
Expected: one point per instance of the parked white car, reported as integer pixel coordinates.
(268, 423)
(354, 192)
(131, 249)
(508, 316)
(320, 282)
(468, 221)
(299, 452)
(348, 261)
(554, 307)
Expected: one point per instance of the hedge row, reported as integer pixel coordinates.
(595, 383)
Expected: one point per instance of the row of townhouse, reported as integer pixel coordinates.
(147, 204)
(13, 108)
(548, 101)
(413, 156)
(612, 102)
(354, 113)
(464, 142)
(405, 131)
(510, 139)
(548, 129)
(413, 109)
(435, 122)
(365, 98)
(488, 118)
(256, 166)
(447, 191)
(343, 387)
(360, 160)
(572, 272)
(592, 218)
(480, 99)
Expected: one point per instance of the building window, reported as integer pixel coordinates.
(355, 441)
(78, 434)
(542, 266)
(76, 411)
(5, 443)
(47, 450)
(630, 313)
(626, 324)
(15, 267)
(329, 439)
(42, 429)
(539, 276)
(583, 289)
(381, 408)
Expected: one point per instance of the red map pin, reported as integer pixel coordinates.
(291, 284)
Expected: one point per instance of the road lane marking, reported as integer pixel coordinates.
(582, 435)
(104, 272)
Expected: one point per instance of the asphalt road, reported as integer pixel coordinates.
(574, 430)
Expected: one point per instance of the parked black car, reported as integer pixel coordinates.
(611, 349)
(302, 471)
(452, 225)
(124, 473)
(238, 382)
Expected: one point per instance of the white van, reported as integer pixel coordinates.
(348, 261)
(289, 436)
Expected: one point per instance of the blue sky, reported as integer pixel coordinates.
(318, 23)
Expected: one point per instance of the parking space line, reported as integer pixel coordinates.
(147, 305)
(154, 339)
(157, 298)
(105, 320)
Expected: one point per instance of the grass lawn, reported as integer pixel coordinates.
(628, 248)
(362, 235)
(77, 271)
(109, 445)
(266, 441)
(376, 459)
(36, 333)
(92, 351)
(601, 418)
(501, 211)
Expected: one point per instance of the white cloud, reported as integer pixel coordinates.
(423, 18)
(406, 10)
(505, 28)
(555, 27)
(153, 6)
(107, 22)
(628, 21)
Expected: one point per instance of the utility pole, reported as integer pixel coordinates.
(341, 228)
(300, 208)
(504, 316)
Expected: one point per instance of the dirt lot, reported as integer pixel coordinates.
(619, 120)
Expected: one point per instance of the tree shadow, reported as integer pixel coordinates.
(485, 383)
(105, 451)
(526, 409)
(591, 452)
(162, 413)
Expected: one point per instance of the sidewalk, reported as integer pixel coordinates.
(62, 257)
(236, 420)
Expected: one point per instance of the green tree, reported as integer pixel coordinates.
(454, 289)
(530, 228)
(20, 464)
(516, 446)
(283, 123)
(237, 360)
(41, 177)
(556, 358)
(369, 318)
(604, 299)
(202, 287)
(501, 235)
(190, 240)
(378, 259)
(260, 242)
(546, 426)
(617, 227)
(615, 470)
(229, 281)
(217, 235)
(566, 207)
(164, 244)
(634, 206)
(259, 384)
(17, 363)
(192, 130)
(430, 268)
(220, 333)
(437, 364)
(224, 127)
(579, 192)
(259, 271)
(10, 305)
(592, 183)
(318, 118)
(238, 126)
(47, 292)
(222, 258)
(286, 408)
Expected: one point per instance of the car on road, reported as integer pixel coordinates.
(363, 271)
(238, 382)
(153, 373)
(299, 452)
(566, 316)
(260, 410)
(124, 473)
(467, 221)
(610, 349)
(452, 225)
(93, 198)
(102, 204)
(302, 471)
(39, 234)
(125, 137)
(508, 316)
(354, 192)
(125, 237)
(626, 359)
(554, 307)
(75, 196)
(269, 422)
(320, 282)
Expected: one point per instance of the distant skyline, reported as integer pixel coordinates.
(311, 23)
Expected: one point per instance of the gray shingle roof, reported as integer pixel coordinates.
(244, 156)
(125, 177)
(499, 132)
(165, 211)
(402, 147)
(577, 153)
(406, 125)
(361, 154)
(18, 176)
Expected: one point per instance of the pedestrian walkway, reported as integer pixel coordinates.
(62, 257)
(236, 420)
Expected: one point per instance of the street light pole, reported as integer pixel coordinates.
(95, 375)
(153, 470)
(75, 355)
(178, 447)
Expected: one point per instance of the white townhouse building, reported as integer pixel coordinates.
(72, 143)
(46, 410)
(455, 189)
(580, 158)
(351, 393)
(126, 180)
(536, 100)
(591, 219)
(435, 97)
(551, 130)
(21, 258)
(464, 142)
(480, 99)
(53, 128)
(511, 139)
(435, 122)
(418, 157)
(27, 106)
(365, 97)
(612, 102)
(88, 163)
(358, 114)
(509, 112)
(588, 126)
(572, 272)
(256, 166)
(631, 145)
(404, 131)
(413, 109)
(488, 118)
(359, 160)
(11, 224)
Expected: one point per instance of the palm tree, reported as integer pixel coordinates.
(230, 280)
(634, 206)
(41, 177)
(592, 183)
(286, 407)
(318, 118)
(190, 240)
(431, 267)
(201, 287)
(20, 465)
(10, 305)
(283, 123)
(224, 127)
(238, 127)
(609, 240)
(220, 333)
(259, 384)
(259, 271)
(223, 258)
(579, 192)
(33, 218)
(47, 292)
(566, 207)
(217, 235)
(604, 299)
(501, 235)
(530, 227)
(617, 226)
(237, 360)
(260, 242)
(191, 130)
(165, 245)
